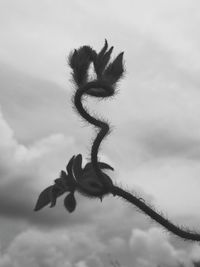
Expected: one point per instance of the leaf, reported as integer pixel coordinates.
(115, 69)
(70, 202)
(54, 193)
(77, 167)
(102, 59)
(103, 50)
(106, 57)
(102, 165)
(69, 166)
(43, 199)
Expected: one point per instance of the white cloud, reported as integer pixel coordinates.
(153, 248)
(195, 252)
(84, 247)
(14, 153)
(81, 264)
(42, 147)
(56, 248)
(25, 170)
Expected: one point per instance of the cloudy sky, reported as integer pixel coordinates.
(154, 146)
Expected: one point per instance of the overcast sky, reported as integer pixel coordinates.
(154, 146)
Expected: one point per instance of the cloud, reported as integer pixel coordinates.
(166, 143)
(35, 108)
(34, 40)
(153, 248)
(195, 253)
(23, 169)
(57, 248)
(84, 247)
(44, 37)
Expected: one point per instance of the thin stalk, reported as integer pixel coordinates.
(115, 190)
(189, 235)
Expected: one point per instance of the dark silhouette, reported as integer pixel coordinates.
(91, 181)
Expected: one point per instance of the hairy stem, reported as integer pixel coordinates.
(189, 235)
(104, 127)
(116, 191)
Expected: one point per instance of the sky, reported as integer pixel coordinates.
(154, 145)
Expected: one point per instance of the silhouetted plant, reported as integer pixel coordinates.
(91, 181)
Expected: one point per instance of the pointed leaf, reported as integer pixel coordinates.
(99, 60)
(54, 193)
(70, 202)
(69, 166)
(103, 61)
(102, 165)
(115, 69)
(106, 58)
(77, 166)
(43, 199)
(103, 50)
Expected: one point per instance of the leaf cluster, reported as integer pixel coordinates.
(79, 60)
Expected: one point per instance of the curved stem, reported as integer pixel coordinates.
(104, 127)
(189, 235)
(104, 130)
